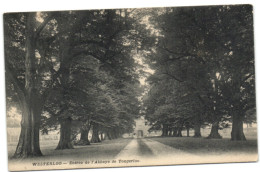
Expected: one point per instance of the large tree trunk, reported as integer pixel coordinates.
(112, 134)
(179, 134)
(37, 109)
(28, 144)
(197, 130)
(95, 135)
(214, 131)
(237, 128)
(164, 130)
(175, 132)
(188, 132)
(179, 129)
(84, 137)
(237, 132)
(167, 131)
(108, 135)
(197, 125)
(170, 132)
(117, 133)
(65, 141)
(65, 134)
(102, 137)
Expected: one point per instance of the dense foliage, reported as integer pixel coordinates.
(72, 70)
(204, 70)
(76, 71)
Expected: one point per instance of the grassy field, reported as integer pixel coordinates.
(250, 133)
(79, 157)
(208, 146)
(106, 149)
(182, 150)
(193, 145)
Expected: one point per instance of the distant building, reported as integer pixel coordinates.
(141, 129)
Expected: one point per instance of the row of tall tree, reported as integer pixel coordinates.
(73, 71)
(204, 70)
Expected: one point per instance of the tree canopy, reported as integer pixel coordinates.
(77, 71)
(204, 68)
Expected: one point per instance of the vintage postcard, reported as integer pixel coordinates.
(130, 87)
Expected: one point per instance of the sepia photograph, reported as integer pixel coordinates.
(130, 87)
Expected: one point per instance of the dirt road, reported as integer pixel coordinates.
(129, 152)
